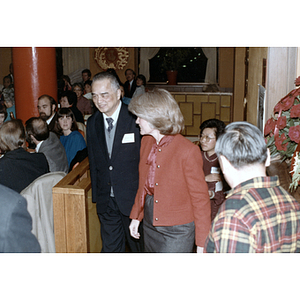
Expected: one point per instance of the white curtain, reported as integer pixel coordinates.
(75, 59)
(211, 66)
(145, 55)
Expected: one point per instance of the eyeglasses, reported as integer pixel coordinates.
(206, 137)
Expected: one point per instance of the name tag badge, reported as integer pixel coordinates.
(128, 138)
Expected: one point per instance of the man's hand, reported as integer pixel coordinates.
(133, 228)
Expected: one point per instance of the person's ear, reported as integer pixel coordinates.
(224, 163)
(268, 160)
(119, 94)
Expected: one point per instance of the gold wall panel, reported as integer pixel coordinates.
(225, 101)
(187, 111)
(179, 98)
(215, 99)
(197, 108)
(208, 111)
(197, 100)
(225, 114)
(194, 130)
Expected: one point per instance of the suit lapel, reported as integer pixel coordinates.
(100, 134)
(123, 125)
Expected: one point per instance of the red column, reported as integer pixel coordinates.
(34, 75)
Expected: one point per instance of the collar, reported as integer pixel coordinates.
(37, 148)
(115, 116)
(257, 182)
(50, 119)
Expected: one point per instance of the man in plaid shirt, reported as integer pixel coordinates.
(258, 214)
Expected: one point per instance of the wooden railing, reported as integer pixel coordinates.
(70, 211)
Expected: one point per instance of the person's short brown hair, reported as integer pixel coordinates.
(160, 109)
(12, 135)
(37, 127)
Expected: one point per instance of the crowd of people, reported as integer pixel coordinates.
(155, 190)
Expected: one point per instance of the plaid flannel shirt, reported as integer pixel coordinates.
(257, 216)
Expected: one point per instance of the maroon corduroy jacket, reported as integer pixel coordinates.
(180, 192)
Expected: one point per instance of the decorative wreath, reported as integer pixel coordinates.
(115, 58)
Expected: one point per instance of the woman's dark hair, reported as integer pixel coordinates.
(217, 125)
(89, 82)
(71, 96)
(65, 111)
(3, 111)
(142, 77)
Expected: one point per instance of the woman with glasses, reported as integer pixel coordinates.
(210, 130)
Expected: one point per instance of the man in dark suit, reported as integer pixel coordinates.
(47, 110)
(48, 143)
(113, 142)
(130, 84)
(15, 224)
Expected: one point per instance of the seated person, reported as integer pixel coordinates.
(70, 137)
(124, 99)
(7, 82)
(18, 168)
(15, 224)
(83, 104)
(69, 100)
(3, 114)
(140, 85)
(9, 102)
(48, 143)
(210, 130)
(88, 94)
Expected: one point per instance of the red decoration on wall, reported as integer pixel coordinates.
(115, 58)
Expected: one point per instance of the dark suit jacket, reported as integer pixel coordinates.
(52, 123)
(15, 224)
(132, 90)
(121, 171)
(55, 153)
(18, 168)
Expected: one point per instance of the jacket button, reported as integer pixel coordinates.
(159, 150)
(156, 219)
(156, 201)
(158, 166)
(110, 168)
(156, 183)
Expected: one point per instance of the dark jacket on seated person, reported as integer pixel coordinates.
(15, 224)
(18, 168)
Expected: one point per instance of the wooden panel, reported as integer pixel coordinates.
(208, 111)
(179, 98)
(197, 107)
(76, 222)
(59, 223)
(187, 111)
(225, 114)
(215, 99)
(194, 130)
(71, 212)
(197, 102)
(225, 101)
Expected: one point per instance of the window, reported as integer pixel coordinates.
(190, 63)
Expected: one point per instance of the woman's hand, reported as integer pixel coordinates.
(200, 249)
(213, 177)
(133, 228)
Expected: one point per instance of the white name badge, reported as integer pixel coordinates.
(128, 138)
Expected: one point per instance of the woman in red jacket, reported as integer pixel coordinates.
(172, 199)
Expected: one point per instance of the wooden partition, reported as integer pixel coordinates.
(70, 211)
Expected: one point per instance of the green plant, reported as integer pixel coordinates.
(174, 58)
